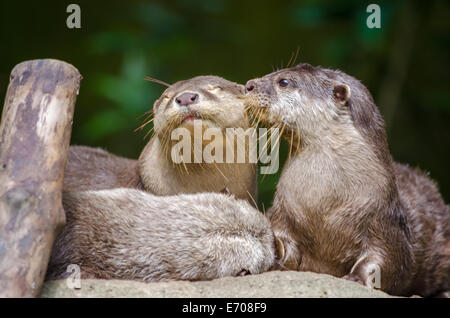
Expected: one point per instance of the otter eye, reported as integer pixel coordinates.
(213, 87)
(283, 82)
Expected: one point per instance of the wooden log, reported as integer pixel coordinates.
(34, 142)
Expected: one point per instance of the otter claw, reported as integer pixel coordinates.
(354, 278)
(226, 191)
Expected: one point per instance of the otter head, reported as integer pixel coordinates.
(210, 101)
(309, 102)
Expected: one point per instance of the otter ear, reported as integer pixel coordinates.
(279, 249)
(341, 93)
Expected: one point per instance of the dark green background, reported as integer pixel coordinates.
(404, 64)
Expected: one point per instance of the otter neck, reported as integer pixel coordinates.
(338, 163)
(162, 177)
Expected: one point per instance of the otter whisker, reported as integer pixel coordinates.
(148, 112)
(293, 57)
(255, 120)
(290, 60)
(144, 124)
(253, 199)
(149, 132)
(290, 145)
(266, 145)
(185, 167)
(149, 117)
(218, 169)
(258, 117)
(296, 56)
(154, 80)
(267, 130)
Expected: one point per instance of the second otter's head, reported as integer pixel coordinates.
(212, 99)
(310, 102)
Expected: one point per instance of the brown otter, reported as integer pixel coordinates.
(218, 103)
(130, 234)
(342, 206)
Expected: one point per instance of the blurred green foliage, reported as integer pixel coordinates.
(404, 64)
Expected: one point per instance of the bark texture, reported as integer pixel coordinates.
(34, 141)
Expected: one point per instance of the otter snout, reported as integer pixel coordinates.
(187, 99)
(262, 87)
(258, 93)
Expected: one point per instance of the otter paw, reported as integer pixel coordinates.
(354, 278)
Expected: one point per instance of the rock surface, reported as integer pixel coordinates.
(271, 284)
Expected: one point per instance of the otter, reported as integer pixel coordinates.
(211, 100)
(130, 234)
(342, 205)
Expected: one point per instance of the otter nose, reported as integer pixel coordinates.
(249, 86)
(186, 99)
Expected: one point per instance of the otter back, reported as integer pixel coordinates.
(130, 234)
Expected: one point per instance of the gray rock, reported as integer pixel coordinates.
(271, 284)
